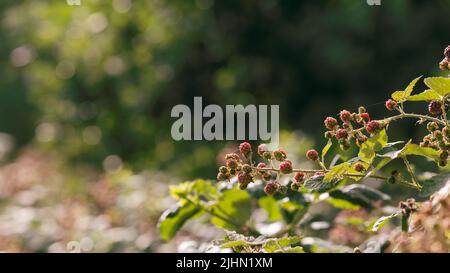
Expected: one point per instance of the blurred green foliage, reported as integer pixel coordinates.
(101, 78)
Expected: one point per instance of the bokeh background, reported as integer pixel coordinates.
(86, 93)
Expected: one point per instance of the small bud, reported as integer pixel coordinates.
(373, 127)
(438, 135)
(444, 64)
(359, 168)
(267, 155)
(328, 134)
(282, 189)
(360, 139)
(442, 163)
(361, 110)
(223, 169)
(391, 104)
(299, 177)
(246, 168)
(232, 156)
(295, 186)
(443, 155)
(286, 167)
(221, 176)
(243, 186)
(447, 52)
(435, 107)
(341, 134)
(232, 164)
(246, 149)
(271, 188)
(312, 155)
(279, 155)
(345, 116)
(330, 123)
(446, 132)
(432, 126)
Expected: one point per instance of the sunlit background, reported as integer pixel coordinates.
(86, 93)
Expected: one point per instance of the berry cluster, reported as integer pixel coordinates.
(409, 206)
(438, 139)
(445, 63)
(247, 171)
(345, 132)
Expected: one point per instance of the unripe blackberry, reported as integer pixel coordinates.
(279, 154)
(438, 135)
(243, 186)
(282, 189)
(267, 176)
(341, 134)
(244, 178)
(262, 149)
(246, 168)
(373, 127)
(395, 175)
(233, 172)
(391, 104)
(286, 167)
(435, 107)
(447, 52)
(232, 164)
(221, 176)
(365, 117)
(443, 155)
(312, 155)
(223, 169)
(345, 116)
(299, 177)
(328, 134)
(442, 163)
(432, 126)
(361, 110)
(330, 123)
(446, 132)
(270, 188)
(295, 186)
(359, 168)
(245, 148)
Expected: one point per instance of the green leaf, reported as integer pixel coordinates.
(234, 205)
(317, 245)
(326, 149)
(426, 95)
(440, 85)
(342, 204)
(270, 205)
(434, 184)
(337, 172)
(414, 149)
(317, 184)
(369, 148)
(297, 249)
(232, 244)
(172, 220)
(382, 221)
(273, 245)
(196, 188)
(360, 195)
(401, 96)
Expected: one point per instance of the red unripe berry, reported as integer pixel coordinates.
(244, 178)
(319, 174)
(299, 176)
(435, 107)
(365, 117)
(286, 167)
(391, 104)
(312, 155)
(341, 134)
(447, 52)
(373, 127)
(345, 116)
(245, 148)
(261, 165)
(330, 123)
(359, 167)
(262, 149)
(271, 188)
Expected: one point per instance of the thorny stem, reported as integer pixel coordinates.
(411, 173)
